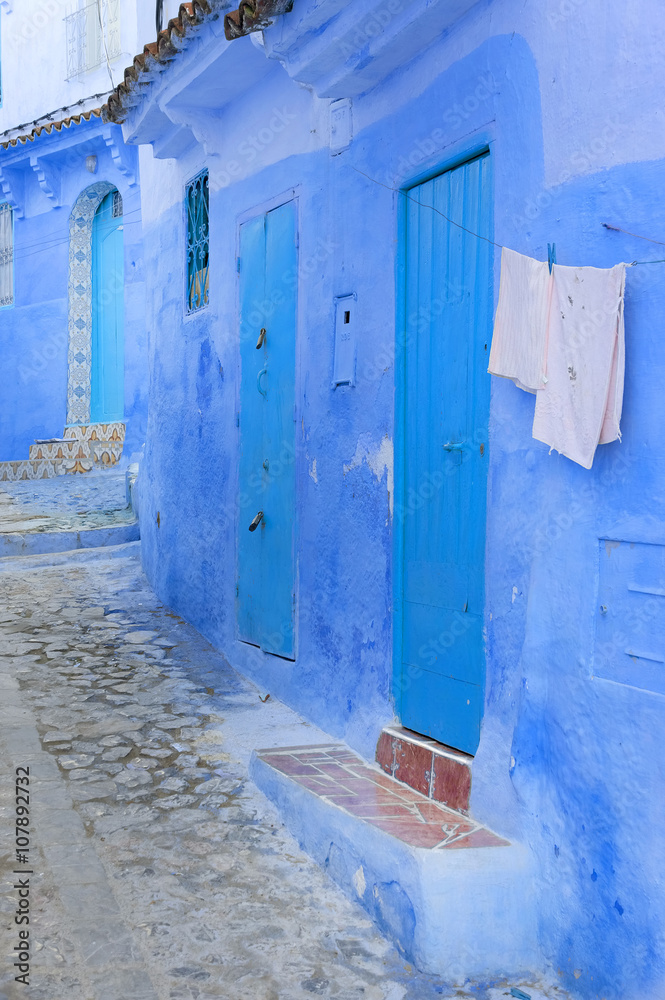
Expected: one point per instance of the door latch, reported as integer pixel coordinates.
(262, 337)
(256, 522)
(450, 446)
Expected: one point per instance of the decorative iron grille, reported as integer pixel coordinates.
(117, 205)
(198, 232)
(93, 36)
(6, 255)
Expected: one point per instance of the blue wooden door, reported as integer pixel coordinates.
(445, 412)
(266, 560)
(107, 398)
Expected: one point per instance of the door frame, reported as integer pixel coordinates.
(262, 208)
(481, 143)
(98, 290)
(79, 300)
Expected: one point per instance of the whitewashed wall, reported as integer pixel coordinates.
(39, 63)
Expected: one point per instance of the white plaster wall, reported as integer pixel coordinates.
(33, 61)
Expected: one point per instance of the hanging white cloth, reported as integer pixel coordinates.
(520, 325)
(579, 407)
(561, 336)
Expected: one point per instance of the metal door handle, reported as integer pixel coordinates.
(262, 337)
(450, 446)
(256, 522)
(264, 371)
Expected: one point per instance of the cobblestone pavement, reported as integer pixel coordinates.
(75, 502)
(158, 869)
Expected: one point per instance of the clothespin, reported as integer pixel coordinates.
(551, 255)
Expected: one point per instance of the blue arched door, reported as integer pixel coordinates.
(107, 400)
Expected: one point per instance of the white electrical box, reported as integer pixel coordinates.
(344, 366)
(340, 125)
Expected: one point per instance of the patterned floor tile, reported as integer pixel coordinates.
(338, 776)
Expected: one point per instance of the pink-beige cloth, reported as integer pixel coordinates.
(562, 336)
(520, 325)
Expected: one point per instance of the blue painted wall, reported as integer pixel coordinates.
(569, 763)
(33, 332)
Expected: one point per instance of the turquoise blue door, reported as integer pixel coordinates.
(266, 560)
(444, 410)
(107, 398)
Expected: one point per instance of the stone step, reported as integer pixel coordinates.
(455, 898)
(436, 771)
(30, 543)
(41, 561)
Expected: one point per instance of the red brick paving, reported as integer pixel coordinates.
(339, 777)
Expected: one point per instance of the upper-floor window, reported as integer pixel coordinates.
(93, 35)
(198, 233)
(6, 255)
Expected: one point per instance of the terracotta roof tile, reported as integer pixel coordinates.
(49, 127)
(252, 15)
(155, 56)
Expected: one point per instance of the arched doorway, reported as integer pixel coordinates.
(96, 293)
(107, 346)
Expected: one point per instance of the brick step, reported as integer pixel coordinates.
(448, 891)
(436, 771)
(334, 772)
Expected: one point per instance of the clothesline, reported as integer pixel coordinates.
(500, 246)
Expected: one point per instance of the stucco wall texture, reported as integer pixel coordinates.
(34, 331)
(566, 95)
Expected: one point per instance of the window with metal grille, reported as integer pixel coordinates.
(198, 231)
(117, 205)
(93, 36)
(6, 255)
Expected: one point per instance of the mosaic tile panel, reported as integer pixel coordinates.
(105, 453)
(80, 301)
(25, 469)
(337, 775)
(80, 449)
(56, 450)
(70, 466)
(96, 432)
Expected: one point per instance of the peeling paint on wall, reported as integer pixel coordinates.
(379, 458)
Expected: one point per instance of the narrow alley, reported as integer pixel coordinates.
(332, 510)
(157, 871)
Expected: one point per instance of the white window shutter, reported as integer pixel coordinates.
(6, 255)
